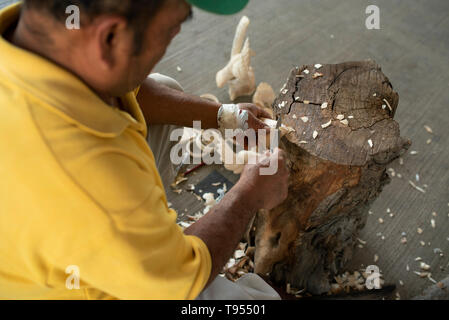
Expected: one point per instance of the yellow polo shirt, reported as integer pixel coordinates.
(80, 196)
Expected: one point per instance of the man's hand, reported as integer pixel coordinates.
(266, 190)
(254, 115)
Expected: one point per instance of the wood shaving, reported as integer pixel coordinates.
(416, 187)
(340, 117)
(324, 105)
(388, 104)
(306, 71)
(304, 119)
(178, 68)
(429, 141)
(376, 258)
(422, 274)
(418, 259)
(422, 243)
(306, 102)
(303, 142)
(317, 75)
(294, 116)
(419, 230)
(318, 66)
(413, 152)
(315, 134)
(350, 117)
(370, 142)
(432, 223)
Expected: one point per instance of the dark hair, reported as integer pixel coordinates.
(137, 13)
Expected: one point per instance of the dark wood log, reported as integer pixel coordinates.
(335, 177)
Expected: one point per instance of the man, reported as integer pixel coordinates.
(83, 212)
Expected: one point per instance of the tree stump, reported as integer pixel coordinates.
(335, 176)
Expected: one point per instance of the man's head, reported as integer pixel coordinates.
(118, 43)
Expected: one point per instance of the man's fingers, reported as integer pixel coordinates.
(263, 113)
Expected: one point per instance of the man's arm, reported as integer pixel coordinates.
(163, 105)
(223, 226)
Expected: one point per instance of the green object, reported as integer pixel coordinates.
(220, 6)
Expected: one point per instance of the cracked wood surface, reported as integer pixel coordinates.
(310, 237)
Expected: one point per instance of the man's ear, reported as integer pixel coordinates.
(112, 40)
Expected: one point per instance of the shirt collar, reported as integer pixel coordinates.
(60, 90)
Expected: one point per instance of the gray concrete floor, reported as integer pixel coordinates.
(412, 47)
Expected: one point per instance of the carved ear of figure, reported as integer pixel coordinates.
(238, 73)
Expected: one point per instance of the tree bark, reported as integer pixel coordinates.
(335, 176)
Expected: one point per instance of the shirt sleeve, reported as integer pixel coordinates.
(137, 250)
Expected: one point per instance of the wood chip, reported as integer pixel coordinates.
(178, 68)
(315, 134)
(324, 105)
(413, 152)
(318, 66)
(350, 117)
(306, 102)
(324, 126)
(370, 142)
(420, 230)
(376, 258)
(424, 266)
(304, 119)
(428, 129)
(306, 71)
(303, 142)
(294, 116)
(317, 75)
(429, 141)
(340, 117)
(432, 223)
(422, 243)
(381, 220)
